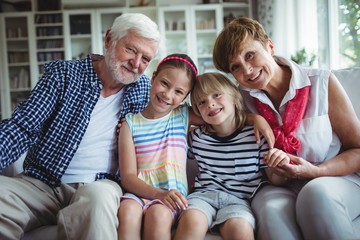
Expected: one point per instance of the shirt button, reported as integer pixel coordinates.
(101, 86)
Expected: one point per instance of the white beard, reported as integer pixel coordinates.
(117, 72)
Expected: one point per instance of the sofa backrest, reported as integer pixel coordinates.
(350, 80)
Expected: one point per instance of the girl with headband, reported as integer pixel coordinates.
(153, 153)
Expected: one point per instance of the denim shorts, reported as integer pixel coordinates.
(219, 206)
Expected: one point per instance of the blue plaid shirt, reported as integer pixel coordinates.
(51, 123)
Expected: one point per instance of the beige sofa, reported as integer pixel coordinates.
(349, 78)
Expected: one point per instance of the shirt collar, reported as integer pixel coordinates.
(91, 70)
(299, 79)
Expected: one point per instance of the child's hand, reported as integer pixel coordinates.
(174, 200)
(276, 158)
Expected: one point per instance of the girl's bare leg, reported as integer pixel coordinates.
(158, 221)
(130, 217)
(193, 224)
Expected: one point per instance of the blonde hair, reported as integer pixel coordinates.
(214, 82)
(232, 37)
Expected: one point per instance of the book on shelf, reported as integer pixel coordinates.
(48, 18)
(18, 56)
(17, 32)
(21, 80)
(24, 78)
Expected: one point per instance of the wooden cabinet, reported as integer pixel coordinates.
(192, 29)
(17, 66)
(232, 9)
(85, 29)
(208, 23)
(175, 27)
(49, 29)
(79, 32)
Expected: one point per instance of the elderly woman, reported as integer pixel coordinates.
(314, 122)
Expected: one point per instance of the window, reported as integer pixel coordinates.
(339, 43)
(329, 29)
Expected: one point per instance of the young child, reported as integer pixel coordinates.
(230, 163)
(153, 153)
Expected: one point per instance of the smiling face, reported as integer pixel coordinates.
(217, 109)
(253, 66)
(128, 58)
(218, 101)
(170, 86)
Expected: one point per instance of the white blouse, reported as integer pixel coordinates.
(318, 141)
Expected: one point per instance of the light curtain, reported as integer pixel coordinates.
(291, 24)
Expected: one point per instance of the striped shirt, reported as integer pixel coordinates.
(50, 124)
(161, 147)
(231, 164)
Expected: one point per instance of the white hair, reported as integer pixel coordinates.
(138, 23)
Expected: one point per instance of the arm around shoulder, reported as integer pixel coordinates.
(261, 126)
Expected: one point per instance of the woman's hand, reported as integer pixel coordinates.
(174, 200)
(276, 158)
(263, 127)
(299, 168)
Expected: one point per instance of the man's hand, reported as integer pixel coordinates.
(118, 126)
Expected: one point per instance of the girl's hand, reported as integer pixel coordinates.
(276, 158)
(174, 200)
